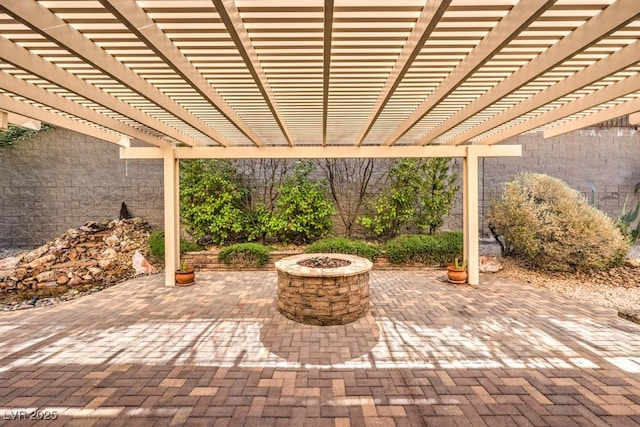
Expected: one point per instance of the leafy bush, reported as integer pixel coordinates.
(303, 210)
(211, 200)
(451, 246)
(344, 246)
(254, 254)
(13, 134)
(550, 226)
(439, 249)
(420, 192)
(156, 245)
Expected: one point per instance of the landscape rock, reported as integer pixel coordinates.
(9, 263)
(141, 265)
(96, 253)
(38, 262)
(490, 265)
(632, 262)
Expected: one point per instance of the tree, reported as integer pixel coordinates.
(349, 182)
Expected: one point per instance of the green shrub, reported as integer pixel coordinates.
(550, 226)
(254, 254)
(303, 210)
(156, 245)
(409, 248)
(344, 246)
(212, 196)
(420, 194)
(451, 246)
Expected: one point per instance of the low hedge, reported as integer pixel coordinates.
(344, 246)
(440, 249)
(252, 254)
(156, 245)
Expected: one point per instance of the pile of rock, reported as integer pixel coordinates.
(96, 253)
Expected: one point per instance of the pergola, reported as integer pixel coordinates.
(318, 79)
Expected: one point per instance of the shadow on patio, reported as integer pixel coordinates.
(498, 354)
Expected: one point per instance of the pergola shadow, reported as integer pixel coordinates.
(428, 352)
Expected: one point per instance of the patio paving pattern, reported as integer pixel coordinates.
(219, 353)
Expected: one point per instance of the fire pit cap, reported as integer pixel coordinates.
(357, 265)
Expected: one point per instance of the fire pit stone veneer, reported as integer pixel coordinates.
(323, 296)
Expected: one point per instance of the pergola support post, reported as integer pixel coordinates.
(4, 120)
(171, 215)
(470, 215)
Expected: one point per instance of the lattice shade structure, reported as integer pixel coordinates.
(342, 72)
(269, 78)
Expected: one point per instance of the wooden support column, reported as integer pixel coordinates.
(4, 120)
(171, 215)
(470, 214)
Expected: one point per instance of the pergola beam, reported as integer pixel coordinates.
(623, 58)
(9, 103)
(520, 16)
(427, 21)
(20, 87)
(609, 20)
(25, 122)
(318, 152)
(610, 113)
(44, 22)
(146, 30)
(232, 20)
(327, 41)
(34, 64)
(615, 90)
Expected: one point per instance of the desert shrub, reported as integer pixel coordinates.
(625, 222)
(409, 248)
(156, 245)
(344, 246)
(303, 210)
(550, 226)
(254, 254)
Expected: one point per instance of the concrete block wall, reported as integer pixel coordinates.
(607, 158)
(61, 179)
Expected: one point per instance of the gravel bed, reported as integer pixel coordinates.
(617, 288)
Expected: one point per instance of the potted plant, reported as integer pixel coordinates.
(186, 275)
(457, 273)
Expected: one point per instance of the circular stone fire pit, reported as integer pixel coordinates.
(323, 295)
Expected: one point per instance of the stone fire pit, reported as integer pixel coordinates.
(323, 295)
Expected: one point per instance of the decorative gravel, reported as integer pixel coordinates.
(323, 262)
(617, 288)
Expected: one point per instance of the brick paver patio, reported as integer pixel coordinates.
(219, 353)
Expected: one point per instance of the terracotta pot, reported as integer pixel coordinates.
(185, 277)
(456, 275)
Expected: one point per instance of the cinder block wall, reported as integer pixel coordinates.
(607, 158)
(61, 179)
